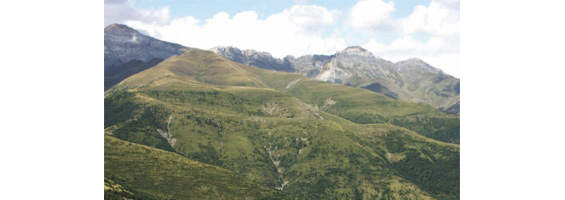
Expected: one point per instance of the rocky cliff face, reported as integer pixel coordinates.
(123, 44)
(412, 79)
(253, 58)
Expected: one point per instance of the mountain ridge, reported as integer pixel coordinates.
(411, 79)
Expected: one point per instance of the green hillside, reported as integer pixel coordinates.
(358, 105)
(365, 107)
(156, 174)
(310, 139)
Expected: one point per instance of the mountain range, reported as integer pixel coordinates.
(127, 51)
(200, 125)
(412, 80)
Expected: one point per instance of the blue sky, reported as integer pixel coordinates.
(204, 9)
(392, 29)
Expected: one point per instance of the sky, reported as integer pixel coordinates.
(394, 30)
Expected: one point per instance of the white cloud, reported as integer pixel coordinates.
(441, 17)
(408, 47)
(311, 19)
(370, 15)
(119, 11)
(436, 51)
(295, 31)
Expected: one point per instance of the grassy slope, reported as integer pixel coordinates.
(271, 137)
(355, 104)
(158, 174)
(437, 90)
(365, 107)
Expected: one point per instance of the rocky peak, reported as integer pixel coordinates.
(117, 28)
(415, 64)
(123, 44)
(234, 51)
(355, 51)
(253, 58)
(414, 61)
(229, 50)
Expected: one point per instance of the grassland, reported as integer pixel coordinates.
(156, 174)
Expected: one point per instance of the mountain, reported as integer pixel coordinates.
(123, 44)
(412, 79)
(307, 138)
(126, 52)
